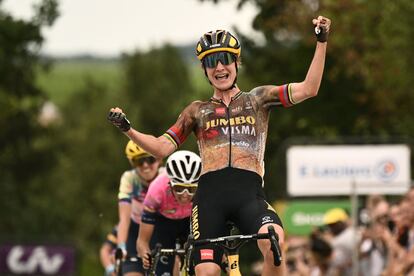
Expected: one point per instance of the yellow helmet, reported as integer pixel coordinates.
(217, 41)
(132, 151)
(335, 215)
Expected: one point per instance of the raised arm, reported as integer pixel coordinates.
(159, 147)
(310, 86)
(166, 144)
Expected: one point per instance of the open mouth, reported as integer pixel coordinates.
(221, 76)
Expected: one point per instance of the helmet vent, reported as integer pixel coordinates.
(176, 169)
(219, 36)
(197, 174)
(132, 150)
(209, 38)
(187, 174)
(169, 171)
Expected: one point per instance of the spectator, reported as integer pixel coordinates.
(344, 239)
(297, 257)
(373, 247)
(321, 256)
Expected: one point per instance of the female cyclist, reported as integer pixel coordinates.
(231, 130)
(167, 208)
(132, 190)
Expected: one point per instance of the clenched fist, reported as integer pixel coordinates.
(119, 119)
(322, 26)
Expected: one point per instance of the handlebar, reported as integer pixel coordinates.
(234, 242)
(230, 243)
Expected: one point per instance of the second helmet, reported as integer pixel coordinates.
(183, 167)
(132, 151)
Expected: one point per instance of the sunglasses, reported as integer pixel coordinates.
(180, 188)
(141, 160)
(212, 60)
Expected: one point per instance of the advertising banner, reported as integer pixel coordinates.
(36, 260)
(332, 170)
(301, 217)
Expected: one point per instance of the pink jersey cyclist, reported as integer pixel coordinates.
(167, 207)
(160, 199)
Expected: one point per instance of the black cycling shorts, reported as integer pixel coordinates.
(167, 232)
(229, 194)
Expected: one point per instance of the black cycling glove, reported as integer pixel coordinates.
(321, 34)
(119, 120)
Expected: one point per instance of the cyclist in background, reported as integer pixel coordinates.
(167, 208)
(106, 252)
(231, 130)
(132, 190)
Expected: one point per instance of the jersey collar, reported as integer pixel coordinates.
(215, 100)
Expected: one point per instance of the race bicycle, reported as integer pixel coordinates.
(183, 253)
(230, 244)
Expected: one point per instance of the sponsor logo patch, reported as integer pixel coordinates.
(237, 109)
(206, 254)
(266, 219)
(239, 120)
(194, 222)
(170, 211)
(205, 112)
(211, 133)
(220, 110)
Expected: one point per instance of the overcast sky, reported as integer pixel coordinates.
(108, 27)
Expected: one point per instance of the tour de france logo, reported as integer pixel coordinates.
(386, 170)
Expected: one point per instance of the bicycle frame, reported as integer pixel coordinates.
(232, 244)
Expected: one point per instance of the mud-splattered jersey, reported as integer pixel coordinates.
(233, 135)
(160, 198)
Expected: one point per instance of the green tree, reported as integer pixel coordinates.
(25, 154)
(158, 88)
(90, 161)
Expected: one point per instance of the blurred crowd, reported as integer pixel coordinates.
(381, 243)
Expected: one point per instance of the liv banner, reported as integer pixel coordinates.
(36, 260)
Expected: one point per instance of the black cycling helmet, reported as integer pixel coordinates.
(217, 41)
